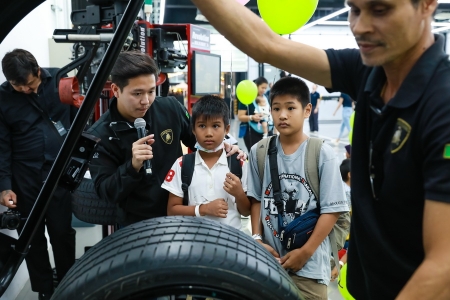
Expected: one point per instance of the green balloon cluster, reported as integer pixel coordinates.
(286, 16)
(342, 284)
(246, 91)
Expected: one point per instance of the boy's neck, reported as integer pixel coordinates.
(210, 158)
(291, 143)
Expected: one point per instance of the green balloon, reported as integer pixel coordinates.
(350, 134)
(246, 91)
(286, 16)
(342, 284)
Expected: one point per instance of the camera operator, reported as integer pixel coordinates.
(33, 122)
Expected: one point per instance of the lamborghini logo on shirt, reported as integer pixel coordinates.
(401, 135)
(167, 136)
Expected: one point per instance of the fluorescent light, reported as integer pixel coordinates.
(443, 1)
(327, 17)
(445, 28)
(437, 24)
(335, 23)
(162, 10)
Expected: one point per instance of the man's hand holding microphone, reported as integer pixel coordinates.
(142, 149)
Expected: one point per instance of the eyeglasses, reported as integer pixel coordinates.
(379, 113)
(371, 171)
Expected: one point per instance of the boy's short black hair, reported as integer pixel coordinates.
(345, 169)
(291, 86)
(131, 64)
(210, 106)
(18, 64)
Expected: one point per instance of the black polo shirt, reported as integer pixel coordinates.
(410, 162)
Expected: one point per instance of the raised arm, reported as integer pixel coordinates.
(247, 32)
(430, 280)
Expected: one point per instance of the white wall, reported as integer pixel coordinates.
(33, 32)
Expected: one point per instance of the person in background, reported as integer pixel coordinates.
(263, 108)
(314, 118)
(347, 108)
(346, 180)
(400, 160)
(248, 114)
(117, 167)
(348, 151)
(33, 125)
(225, 199)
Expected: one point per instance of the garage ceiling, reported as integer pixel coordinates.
(183, 11)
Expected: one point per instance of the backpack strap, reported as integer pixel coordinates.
(312, 176)
(235, 165)
(187, 171)
(261, 153)
(312, 165)
(276, 188)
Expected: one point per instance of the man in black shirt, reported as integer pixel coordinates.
(33, 122)
(401, 141)
(116, 168)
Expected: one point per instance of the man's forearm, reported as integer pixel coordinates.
(430, 281)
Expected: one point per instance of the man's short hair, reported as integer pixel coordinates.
(131, 64)
(18, 65)
(208, 107)
(291, 86)
(345, 169)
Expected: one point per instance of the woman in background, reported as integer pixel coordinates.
(250, 118)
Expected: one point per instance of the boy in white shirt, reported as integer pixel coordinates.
(214, 193)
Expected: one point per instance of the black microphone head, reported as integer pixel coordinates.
(139, 123)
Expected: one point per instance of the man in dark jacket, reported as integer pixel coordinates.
(116, 168)
(33, 123)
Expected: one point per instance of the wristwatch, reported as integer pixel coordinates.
(250, 117)
(257, 236)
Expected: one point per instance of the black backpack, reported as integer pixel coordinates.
(187, 171)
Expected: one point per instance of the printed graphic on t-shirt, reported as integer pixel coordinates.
(292, 186)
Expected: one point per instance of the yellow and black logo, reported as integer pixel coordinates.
(167, 136)
(401, 135)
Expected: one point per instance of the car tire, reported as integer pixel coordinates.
(177, 256)
(89, 208)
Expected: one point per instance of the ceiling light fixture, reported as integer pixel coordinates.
(445, 28)
(162, 10)
(327, 17)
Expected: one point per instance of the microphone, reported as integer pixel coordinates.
(139, 124)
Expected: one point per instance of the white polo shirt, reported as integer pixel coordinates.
(207, 185)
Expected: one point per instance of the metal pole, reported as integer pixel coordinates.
(78, 125)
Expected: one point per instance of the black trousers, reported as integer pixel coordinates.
(314, 120)
(251, 137)
(58, 220)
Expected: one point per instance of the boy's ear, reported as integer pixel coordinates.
(308, 109)
(349, 176)
(227, 129)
